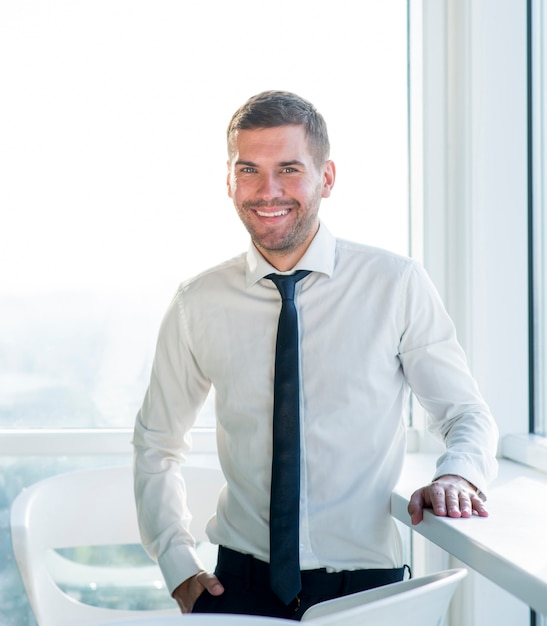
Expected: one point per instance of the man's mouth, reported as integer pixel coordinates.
(272, 213)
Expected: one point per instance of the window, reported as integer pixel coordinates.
(530, 449)
(112, 153)
(113, 156)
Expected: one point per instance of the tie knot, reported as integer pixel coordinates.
(285, 282)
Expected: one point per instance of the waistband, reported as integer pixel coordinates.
(317, 583)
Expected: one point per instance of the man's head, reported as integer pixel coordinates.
(270, 109)
(278, 172)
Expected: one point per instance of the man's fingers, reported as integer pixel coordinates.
(189, 591)
(464, 505)
(416, 506)
(478, 506)
(211, 583)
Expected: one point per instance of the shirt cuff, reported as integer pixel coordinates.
(178, 564)
(465, 471)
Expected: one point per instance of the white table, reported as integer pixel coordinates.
(198, 619)
(510, 546)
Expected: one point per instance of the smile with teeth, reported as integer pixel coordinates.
(272, 213)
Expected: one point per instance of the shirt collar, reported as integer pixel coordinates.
(319, 257)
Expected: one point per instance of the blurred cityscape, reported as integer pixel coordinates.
(74, 360)
(71, 361)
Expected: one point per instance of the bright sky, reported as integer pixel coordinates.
(112, 129)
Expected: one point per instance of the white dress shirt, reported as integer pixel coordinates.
(372, 327)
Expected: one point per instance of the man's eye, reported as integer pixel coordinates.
(288, 170)
(248, 170)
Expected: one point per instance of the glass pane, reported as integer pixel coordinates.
(112, 126)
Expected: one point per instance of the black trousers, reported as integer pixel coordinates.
(247, 591)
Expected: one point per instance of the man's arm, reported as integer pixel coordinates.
(436, 369)
(161, 442)
(448, 495)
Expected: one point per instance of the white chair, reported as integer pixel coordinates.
(89, 508)
(420, 601)
(203, 619)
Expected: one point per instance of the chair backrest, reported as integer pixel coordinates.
(205, 619)
(420, 601)
(93, 507)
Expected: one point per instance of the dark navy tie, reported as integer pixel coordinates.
(285, 491)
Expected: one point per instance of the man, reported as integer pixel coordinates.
(371, 326)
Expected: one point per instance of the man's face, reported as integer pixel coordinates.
(277, 189)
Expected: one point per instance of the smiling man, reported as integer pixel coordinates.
(367, 327)
(277, 187)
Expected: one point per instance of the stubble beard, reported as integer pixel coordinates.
(287, 241)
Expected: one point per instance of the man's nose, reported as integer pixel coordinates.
(270, 186)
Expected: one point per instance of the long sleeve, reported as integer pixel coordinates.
(436, 368)
(161, 441)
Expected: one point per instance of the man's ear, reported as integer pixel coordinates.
(329, 176)
(229, 179)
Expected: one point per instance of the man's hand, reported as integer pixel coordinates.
(189, 591)
(448, 495)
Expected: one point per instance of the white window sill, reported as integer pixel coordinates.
(83, 441)
(508, 547)
(527, 449)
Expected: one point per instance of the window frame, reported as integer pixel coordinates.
(476, 191)
(537, 258)
(529, 448)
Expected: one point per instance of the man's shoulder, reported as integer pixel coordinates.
(221, 274)
(231, 267)
(348, 251)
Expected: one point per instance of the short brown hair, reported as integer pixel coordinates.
(270, 109)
